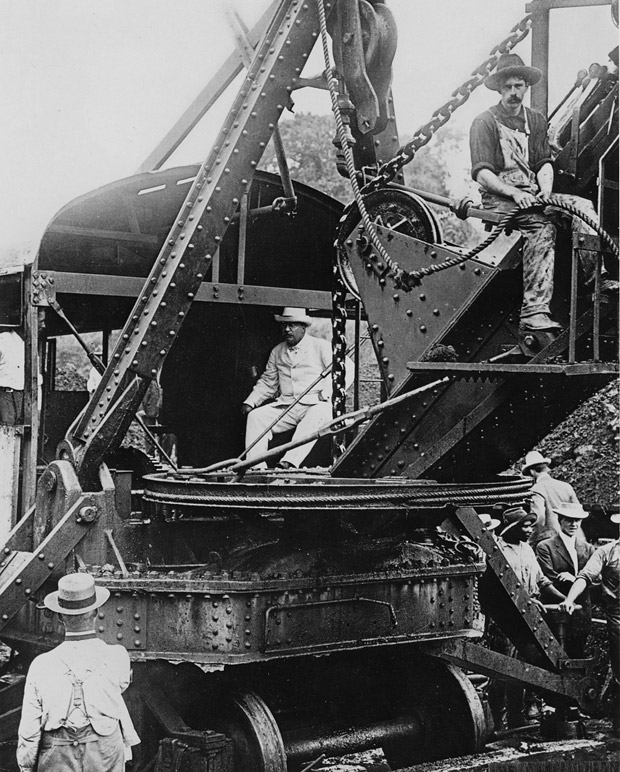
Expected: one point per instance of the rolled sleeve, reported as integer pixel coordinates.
(593, 568)
(484, 145)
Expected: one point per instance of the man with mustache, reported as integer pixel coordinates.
(297, 379)
(512, 163)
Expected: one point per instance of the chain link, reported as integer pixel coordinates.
(442, 115)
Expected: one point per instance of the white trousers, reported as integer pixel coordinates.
(305, 419)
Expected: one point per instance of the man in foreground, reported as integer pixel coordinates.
(74, 717)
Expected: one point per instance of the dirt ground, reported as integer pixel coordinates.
(584, 449)
(525, 748)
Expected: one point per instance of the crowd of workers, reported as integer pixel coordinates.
(546, 548)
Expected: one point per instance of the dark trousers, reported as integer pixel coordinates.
(11, 403)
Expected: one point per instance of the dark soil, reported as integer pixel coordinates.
(584, 449)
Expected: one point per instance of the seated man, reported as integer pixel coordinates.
(512, 162)
(293, 367)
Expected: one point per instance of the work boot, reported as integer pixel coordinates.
(539, 322)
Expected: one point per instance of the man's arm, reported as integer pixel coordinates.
(545, 560)
(588, 575)
(266, 387)
(537, 507)
(30, 728)
(491, 182)
(575, 591)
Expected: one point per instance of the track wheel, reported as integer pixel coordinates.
(258, 746)
(451, 713)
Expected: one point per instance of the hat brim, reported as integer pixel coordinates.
(303, 320)
(520, 521)
(571, 515)
(525, 468)
(615, 518)
(51, 602)
(530, 75)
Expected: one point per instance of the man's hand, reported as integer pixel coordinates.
(564, 576)
(245, 408)
(539, 605)
(567, 605)
(523, 199)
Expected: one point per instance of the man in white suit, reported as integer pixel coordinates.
(293, 368)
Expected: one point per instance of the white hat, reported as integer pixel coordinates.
(76, 594)
(293, 316)
(533, 458)
(615, 518)
(490, 523)
(574, 511)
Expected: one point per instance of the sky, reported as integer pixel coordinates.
(89, 87)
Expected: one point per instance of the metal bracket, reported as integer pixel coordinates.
(475, 657)
(43, 289)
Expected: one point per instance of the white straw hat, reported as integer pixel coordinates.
(76, 594)
(293, 316)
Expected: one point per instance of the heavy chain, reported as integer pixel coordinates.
(442, 115)
(402, 279)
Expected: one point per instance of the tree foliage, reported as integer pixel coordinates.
(437, 168)
(311, 155)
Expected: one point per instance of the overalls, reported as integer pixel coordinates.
(75, 746)
(538, 233)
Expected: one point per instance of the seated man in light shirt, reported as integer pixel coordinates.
(293, 367)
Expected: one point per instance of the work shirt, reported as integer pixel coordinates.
(93, 670)
(484, 139)
(605, 565)
(522, 560)
(549, 494)
(291, 369)
(12, 356)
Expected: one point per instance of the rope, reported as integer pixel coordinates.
(345, 140)
(405, 280)
(431, 495)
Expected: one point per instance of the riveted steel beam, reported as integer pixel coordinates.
(529, 618)
(197, 232)
(474, 657)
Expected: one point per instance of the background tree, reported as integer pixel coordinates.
(440, 167)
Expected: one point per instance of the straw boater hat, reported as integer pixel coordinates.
(512, 66)
(574, 511)
(533, 458)
(515, 516)
(294, 316)
(76, 594)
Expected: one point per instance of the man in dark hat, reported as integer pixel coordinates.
(509, 702)
(296, 379)
(74, 717)
(512, 162)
